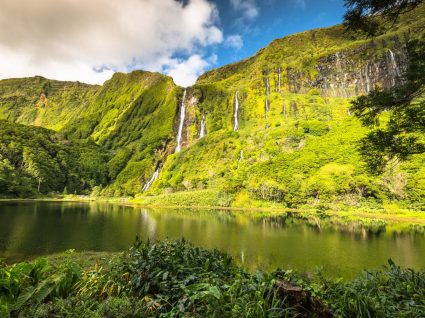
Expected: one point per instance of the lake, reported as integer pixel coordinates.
(32, 228)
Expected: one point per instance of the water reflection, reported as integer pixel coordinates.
(28, 229)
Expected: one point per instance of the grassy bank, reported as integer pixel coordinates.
(176, 279)
(389, 215)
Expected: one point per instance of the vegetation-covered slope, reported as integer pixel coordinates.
(131, 115)
(36, 160)
(296, 141)
(274, 129)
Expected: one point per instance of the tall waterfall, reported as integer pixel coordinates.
(235, 116)
(278, 80)
(267, 102)
(394, 70)
(202, 132)
(182, 115)
(367, 78)
(154, 177)
(267, 108)
(266, 80)
(394, 62)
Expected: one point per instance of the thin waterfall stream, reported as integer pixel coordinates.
(152, 180)
(267, 102)
(181, 124)
(235, 116)
(202, 133)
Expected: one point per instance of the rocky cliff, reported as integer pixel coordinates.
(272, 128)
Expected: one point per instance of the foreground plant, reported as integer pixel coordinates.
(176, 279)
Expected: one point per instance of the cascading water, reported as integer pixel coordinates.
(278, 80)
(267, 86)
(240, 157)
(267, 107)
(367, 78)
(235, 116)
(182, 116)
(202, 132)
(394, 70)
(152, 180)
(267, 102)
(361, 81)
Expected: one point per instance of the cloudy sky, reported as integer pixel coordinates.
(88, 40)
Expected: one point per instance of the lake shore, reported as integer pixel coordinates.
(392, 217)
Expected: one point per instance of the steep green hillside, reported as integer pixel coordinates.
(296, 142)
(271, 130)
(35, 160)
(132, 115)
(42, 102)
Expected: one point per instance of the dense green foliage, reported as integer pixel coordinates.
(306, 151)
(297, 143)
(176, 279)
(402, 131)
(375, 16)
(35, 160)
(132, 115)
(392, 292)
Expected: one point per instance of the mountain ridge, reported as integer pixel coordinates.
(290, 99)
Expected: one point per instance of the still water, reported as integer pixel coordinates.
(29, 229)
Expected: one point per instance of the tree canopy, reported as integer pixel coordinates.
(397, 116)
(375, 16)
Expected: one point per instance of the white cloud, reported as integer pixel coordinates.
(187, 71)
(70, 39)
(248, 8)
(234, 41)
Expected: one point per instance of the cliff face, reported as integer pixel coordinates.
(296, 137)
(274, 127)
(351, 73)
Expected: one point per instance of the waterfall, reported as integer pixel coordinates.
(240, 158)
(235, 116)
(361, 81)
(267, 102)
(394, 70)
(202, 132)
(367, 78)
(267, 86)
(154, 177)
(278, 80)
(182, 115)
(267, 108)
(394, 62)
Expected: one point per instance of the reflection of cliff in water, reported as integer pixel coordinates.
(287, 240)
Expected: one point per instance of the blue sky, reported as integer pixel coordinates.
(269, 20)
(90, 40)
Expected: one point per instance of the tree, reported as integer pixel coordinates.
(397, 116)
(375, 17)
